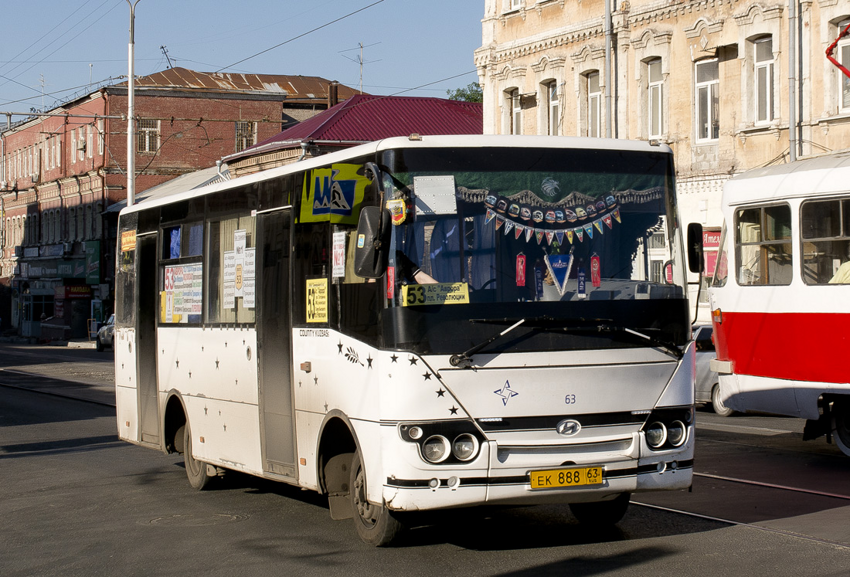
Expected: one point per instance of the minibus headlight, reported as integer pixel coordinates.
(465, 447)
(435, 449)
(656, 434)
(677, 433)
(415, 433)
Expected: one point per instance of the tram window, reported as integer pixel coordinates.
(763, 245)
(825, 231)
(231, 260)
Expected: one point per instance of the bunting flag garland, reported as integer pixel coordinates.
(555, 224)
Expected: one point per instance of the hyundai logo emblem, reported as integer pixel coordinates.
(568, 427)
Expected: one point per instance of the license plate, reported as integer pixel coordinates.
(573, 477)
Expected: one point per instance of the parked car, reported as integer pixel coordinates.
(104, 334)
(707, 386)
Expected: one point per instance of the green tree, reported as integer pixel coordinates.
(471, 93)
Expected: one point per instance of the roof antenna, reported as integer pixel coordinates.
(165, 53)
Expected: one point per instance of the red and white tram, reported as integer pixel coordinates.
(780, 297)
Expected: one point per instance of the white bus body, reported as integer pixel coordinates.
(245, 340)
(780, 297)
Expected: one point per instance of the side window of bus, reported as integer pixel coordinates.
(825, 231)
(231, 258)
(181, 273)
(359, 299)
(763, 245)
(310, 274)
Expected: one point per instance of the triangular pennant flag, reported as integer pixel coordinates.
(607, 220)
(529, 232)
(616, 215)
(509, 224)
(518, 231)
(499, 222)
(539, 234)
(490, 216)
(588, 228)
(559, 266)
(559, 234)
(550, 234)
(598, 226)
(570, 236)
(580, 234)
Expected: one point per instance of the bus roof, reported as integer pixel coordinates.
(818, 176)
(458, 141)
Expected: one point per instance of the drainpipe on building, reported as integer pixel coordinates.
(608, 113)
(792, 81)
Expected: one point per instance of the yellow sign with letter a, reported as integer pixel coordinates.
(447, 293)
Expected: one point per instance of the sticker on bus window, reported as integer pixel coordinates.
(317, 300)
(449, 293)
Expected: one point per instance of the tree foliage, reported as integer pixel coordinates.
(472, 93)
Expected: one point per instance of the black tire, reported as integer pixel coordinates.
(375, 524)
(717, 403)
(841, 426)
(196, 470)
(601, 514)
(99, 345)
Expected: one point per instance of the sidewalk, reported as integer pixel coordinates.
(74, 344)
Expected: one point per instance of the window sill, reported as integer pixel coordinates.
(839, 118)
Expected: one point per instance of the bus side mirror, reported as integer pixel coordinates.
(371, 251)
(696, 263)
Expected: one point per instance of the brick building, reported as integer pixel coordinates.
(710, 78)
(60, 171)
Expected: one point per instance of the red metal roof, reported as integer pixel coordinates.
(365, 118)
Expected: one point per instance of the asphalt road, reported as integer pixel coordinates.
(76, 501)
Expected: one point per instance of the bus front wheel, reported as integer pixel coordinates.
(196, 470)
(375, 524)
(602, 513)
(841, 426)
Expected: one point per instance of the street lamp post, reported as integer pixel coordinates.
(131, 125)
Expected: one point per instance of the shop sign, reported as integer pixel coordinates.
(72, 292)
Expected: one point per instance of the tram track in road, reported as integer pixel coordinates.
(744, 524)
(772, 486)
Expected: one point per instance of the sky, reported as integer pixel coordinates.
(54, 50)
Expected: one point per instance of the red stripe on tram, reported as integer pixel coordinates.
(791, 346)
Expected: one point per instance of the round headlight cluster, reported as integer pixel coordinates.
(437, 448)
(666, 432)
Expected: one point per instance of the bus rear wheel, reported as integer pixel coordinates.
(841, 425)
(375, 524)
(196, 470)
(601, 514)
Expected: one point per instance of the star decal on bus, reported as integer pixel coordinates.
(412, 360)
(506, 393)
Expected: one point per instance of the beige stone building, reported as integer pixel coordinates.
(710, 78)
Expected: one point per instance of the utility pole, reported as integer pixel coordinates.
(131, 121)
(165, 53)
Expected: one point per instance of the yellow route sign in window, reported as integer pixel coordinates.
(447, 293)
(317, 300)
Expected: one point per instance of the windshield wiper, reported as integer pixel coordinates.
(665, 346)
(464, 359)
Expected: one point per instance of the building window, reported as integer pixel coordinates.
(594, 105)
(553, 108)
(515, 104)
(516, 4)
(80, 216)
(842, 54)
(147, 138)
(246, 135)
(90, 140)
(655, 98)
(707, 100)
(763, 245)
(763, 48)
(72, 224)
(56, 153)
(100, 138)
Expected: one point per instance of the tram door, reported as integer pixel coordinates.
(146, 338)
(274, 336)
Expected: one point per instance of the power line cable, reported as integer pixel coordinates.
(301, 35)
